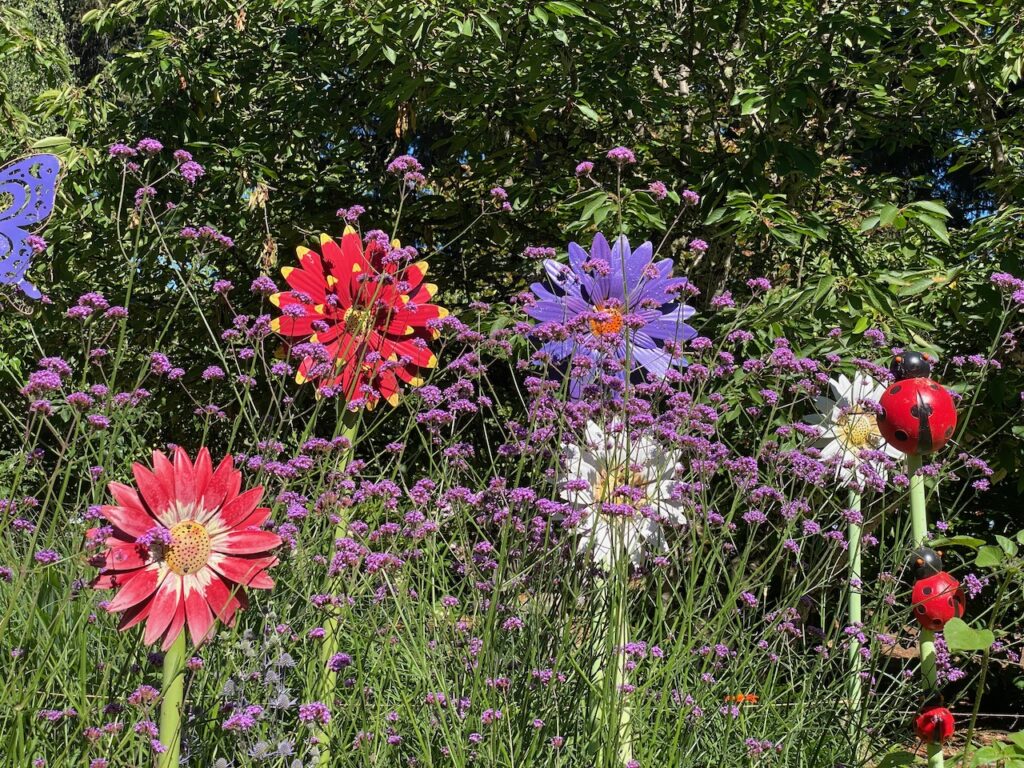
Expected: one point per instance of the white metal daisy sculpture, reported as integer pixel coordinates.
(849, 426)
(621, 486)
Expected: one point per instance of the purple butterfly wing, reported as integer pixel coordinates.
(30, 185)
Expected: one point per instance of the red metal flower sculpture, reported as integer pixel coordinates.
(364, 313)
(183, 545)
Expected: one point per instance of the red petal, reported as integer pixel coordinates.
(198, 613)
(136, 589)
(245, 542)
(175, 627)
(242, 570)
(134, 615)
(224, 485)
(203, 472)
(165, 603)
(238, 508)
(310, 283)
(184, 478)
(123, 556)
(156, 495)
(134, 522)
(223, 600)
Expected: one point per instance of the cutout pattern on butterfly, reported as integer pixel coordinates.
(28, 188)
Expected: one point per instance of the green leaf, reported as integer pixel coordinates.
(937, 226)
(562, 8)
(492, 23)
(588, 112)
(1008, 546)
(715, 216)
(888, 215)
(390, 54)
(988, 557)
(960, 636)
(51, 142)
(957, 541)
(933, 206)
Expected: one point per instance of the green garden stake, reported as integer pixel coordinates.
(919, 534)
(854, 618)
(172, 703)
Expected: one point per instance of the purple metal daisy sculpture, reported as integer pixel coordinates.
(613, 303)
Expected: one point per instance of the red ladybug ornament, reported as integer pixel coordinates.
(934, 725)
(918, 416)
(937, 599)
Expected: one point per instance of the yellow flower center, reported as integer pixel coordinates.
(189, 549)
(611, 326)
(610, 479)
(859, 429)
(357, 321)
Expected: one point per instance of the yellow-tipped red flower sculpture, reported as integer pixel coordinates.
(365, 310)
(181, 547)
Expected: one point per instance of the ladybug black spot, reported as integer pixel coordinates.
(933, 386)
(902, 435)
(927, 590)
(898, 388)
(949, 431)
(920, 609)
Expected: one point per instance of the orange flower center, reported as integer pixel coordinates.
(189, 549)
(610, 327)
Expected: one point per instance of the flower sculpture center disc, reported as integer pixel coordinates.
(189, 549)
(357, 321)
(610, 480)
(860, 430)
(610, 327)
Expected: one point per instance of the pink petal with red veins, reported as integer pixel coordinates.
(223, 598)
(132, 521)
(255, 520)
(203, 470)
(176, 626)
(197, 610)
(137, 588)
(241, 570)
(123, 556)
(154, 493)
(165, 603)
(134, 615)
(239, 542)
(184, 479)
(235, 511)
(128, 497)
(224, 484)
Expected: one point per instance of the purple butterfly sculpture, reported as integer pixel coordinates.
(31, 186)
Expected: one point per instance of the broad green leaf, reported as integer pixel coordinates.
(988, 557)
(960, 636)
(1007, 545)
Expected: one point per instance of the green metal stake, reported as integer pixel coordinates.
(330, 645)
(172, 703)
(919, 533)
(854, 619)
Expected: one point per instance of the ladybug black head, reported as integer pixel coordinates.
(911, 365)
(926, 562)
